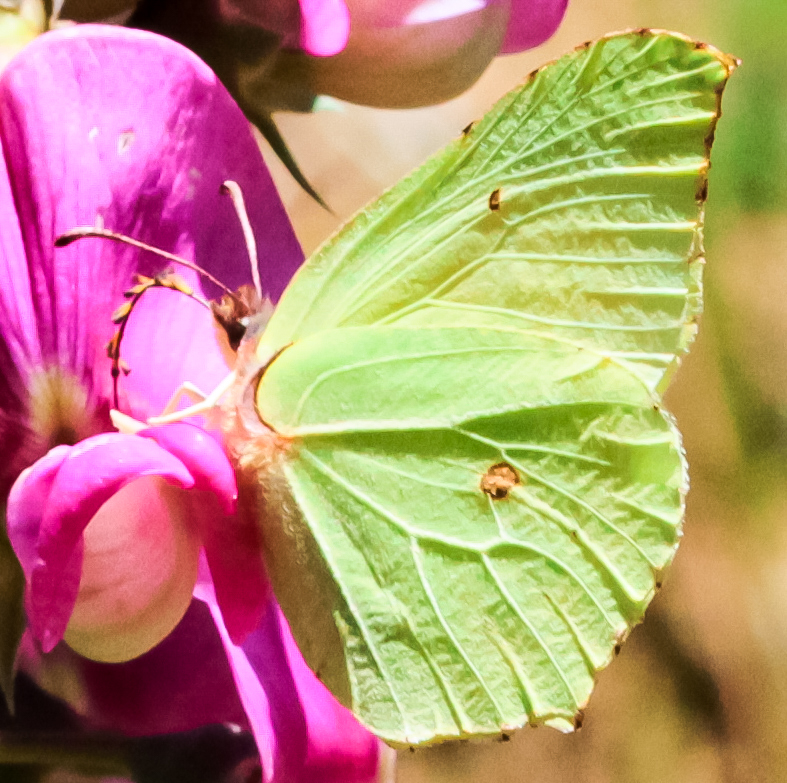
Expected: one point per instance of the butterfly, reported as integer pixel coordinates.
(468, 486)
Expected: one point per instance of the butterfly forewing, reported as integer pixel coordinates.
(474, 488)
(573, 208)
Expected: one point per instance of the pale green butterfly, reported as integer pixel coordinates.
(468, 485)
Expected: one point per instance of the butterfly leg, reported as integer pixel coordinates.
(203, 403)
(125, 424)
(130, 426)
(188, 389)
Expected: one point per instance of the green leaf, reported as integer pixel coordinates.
(470, 488)
(12, 617)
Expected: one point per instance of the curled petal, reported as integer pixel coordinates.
(92, 473)
(229, 534)
(26, 503)
(396, 13)
(319, 27)
(202, 456)
(531, 23)
(404, 65)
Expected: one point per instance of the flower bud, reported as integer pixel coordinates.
(139, 570)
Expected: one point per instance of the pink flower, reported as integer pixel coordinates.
(404, 53)
(115, 531)
(317, 27)
(279, 54)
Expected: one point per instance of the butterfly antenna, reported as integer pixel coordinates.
(74, 234)
(121, 315)
(232, 189)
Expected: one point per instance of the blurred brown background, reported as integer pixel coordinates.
(699, 692)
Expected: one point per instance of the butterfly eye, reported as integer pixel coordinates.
(234, 313)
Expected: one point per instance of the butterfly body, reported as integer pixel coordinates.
(452, 426)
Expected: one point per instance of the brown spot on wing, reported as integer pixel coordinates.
(499, 480)
(494, 200)
(701, 189)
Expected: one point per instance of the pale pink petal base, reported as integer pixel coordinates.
(229, 533)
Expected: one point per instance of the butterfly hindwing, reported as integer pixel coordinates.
(489, 508)
(474, 487)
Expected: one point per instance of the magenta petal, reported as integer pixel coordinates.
(531, 23)
(19, 349)
(202, 456)
(170, 339)
(91, 132)
(303, 734)
(339, 747)
(231, 540)
(254, 698)
(325, 26)
(92, 472)
(26, 504)
(234, 554)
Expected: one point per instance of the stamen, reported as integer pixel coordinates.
(232, 189)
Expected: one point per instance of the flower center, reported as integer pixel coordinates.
(60, 412)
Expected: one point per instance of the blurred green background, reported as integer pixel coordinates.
(699, 692)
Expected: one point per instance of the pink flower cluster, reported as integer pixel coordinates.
(110, 528)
